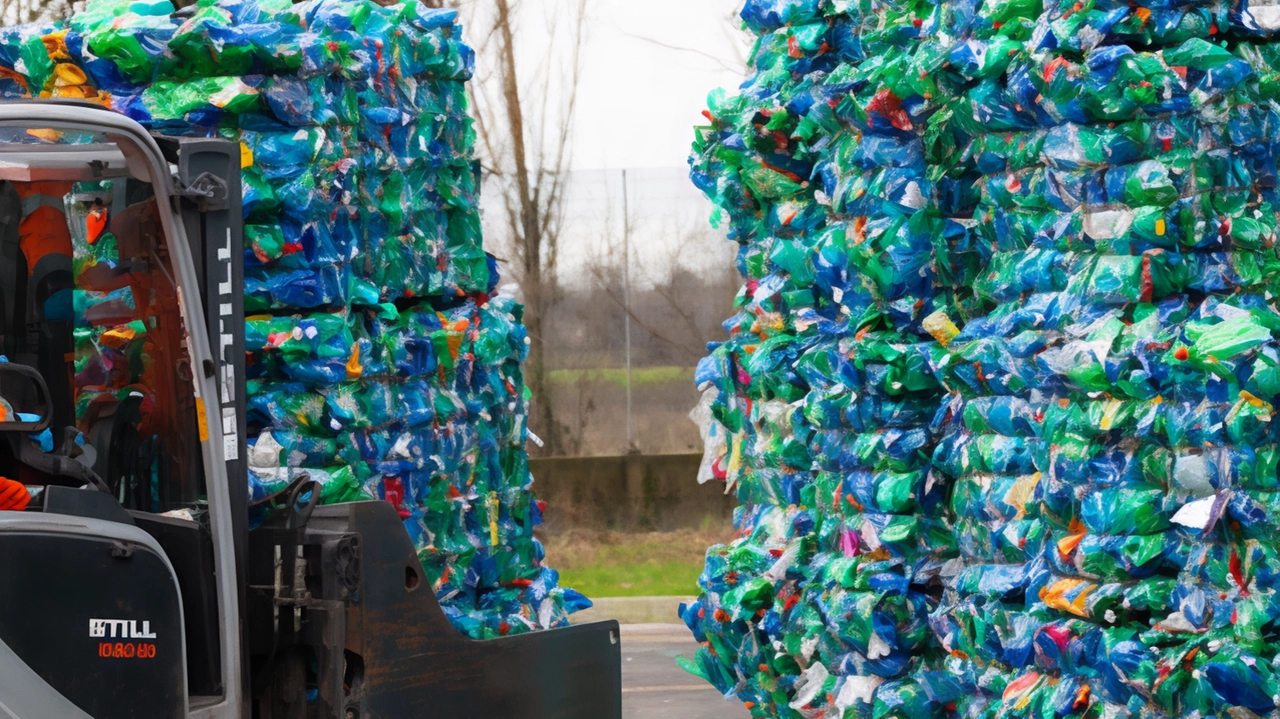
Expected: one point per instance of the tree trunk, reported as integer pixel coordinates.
(535, 376)
(537, 286)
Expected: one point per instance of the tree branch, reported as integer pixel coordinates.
(680, 48)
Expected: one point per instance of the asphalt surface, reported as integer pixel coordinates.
(654, 687)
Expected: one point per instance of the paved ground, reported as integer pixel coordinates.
(634, 610)
(653, 687)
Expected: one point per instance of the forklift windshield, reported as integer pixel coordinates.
(88, 299)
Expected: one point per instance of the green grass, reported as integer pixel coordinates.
(640, 376)
(632, 578)
(614, 564)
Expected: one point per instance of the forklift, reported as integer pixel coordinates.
(132, 585)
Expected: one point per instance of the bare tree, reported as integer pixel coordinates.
(524, 113)
(672, 290)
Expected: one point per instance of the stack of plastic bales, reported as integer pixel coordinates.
(1103, 434)
(379, 363)
(1111, 434)
(826, 387)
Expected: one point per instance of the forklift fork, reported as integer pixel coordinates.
(345, 601)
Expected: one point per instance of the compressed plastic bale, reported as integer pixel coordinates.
(826, 387)
(132, 38)
(1081, 426)
(359, 189)
(1096, 458)
(403, 448)
(284, 288)
(284, 151)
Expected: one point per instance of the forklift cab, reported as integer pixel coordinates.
(87, 296)
(120, 583)
(130, 583)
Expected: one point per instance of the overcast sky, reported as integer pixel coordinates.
(647, 69)
(639, 100)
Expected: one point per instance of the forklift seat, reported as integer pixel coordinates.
(13, 276)
(51, 313)
(37, 317)
(50, 303)
(124, 455)
(37, 320)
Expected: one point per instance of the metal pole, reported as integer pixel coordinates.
(626, 299)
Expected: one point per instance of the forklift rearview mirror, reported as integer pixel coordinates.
(24, 399)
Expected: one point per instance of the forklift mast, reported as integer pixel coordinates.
(206, 177)
(320, 612)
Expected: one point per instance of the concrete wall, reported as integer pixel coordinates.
(648, 493)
